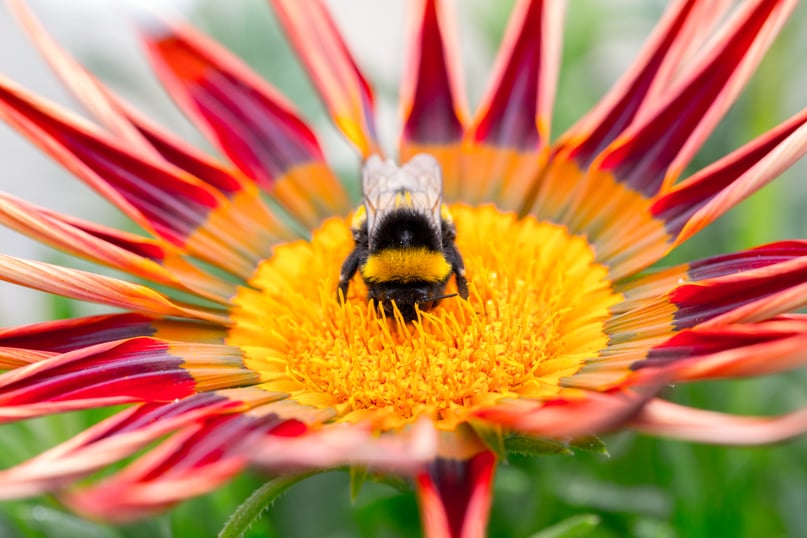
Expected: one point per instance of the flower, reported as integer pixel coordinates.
(238, 352)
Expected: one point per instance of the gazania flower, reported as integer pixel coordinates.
(232, 348)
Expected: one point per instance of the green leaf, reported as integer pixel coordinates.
(257, 503)
(536, 446)
(590, 443)
(54, 522)
(492, 436)
(358, 476)
(574, 527)
(402, 485)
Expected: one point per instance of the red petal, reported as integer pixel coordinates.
(666, 419)
(246, 210)
(248, 119)
(653, 285)
(249, 214)
(137, 256)
(740, 287)
(651, 154)
(432, 98)
(70, 334)
(193, 461)
(693, 204)
(614, 217)
(176, 263)
(580, 413)
(139, 369)
(751, 295)
(334, 445)
(455, 496)
(91, 287)
(197, 458)
(108, 442)
(346, 93)
(683, 26)
(734, 351)
(516, 109)
(512, 124)
(159, 197)
(84, 86)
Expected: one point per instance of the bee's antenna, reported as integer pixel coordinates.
(439, 297)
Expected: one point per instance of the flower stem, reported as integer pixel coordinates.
(260, 500)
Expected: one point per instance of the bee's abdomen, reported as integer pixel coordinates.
(408, 264)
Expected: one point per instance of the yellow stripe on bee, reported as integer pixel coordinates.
(406, 265)
(445, 214)
(403, 199)
(359, 218)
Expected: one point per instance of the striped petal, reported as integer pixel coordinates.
(193, 461)
(11, 357)
(666, 419)
(137, 256)
(127, 124)
(433, 105)
(110, 441)
(742, 350)
(454, 496)
(648, 142)
(159, 197)
(100, 289)
(347, 95)
(695, 203)
(644, 289)
(579, 414)
(72, 334)
(683, 28)
(744, 297)
(565, 187)
(507, 143)
(742, 287)
(138, 369)
(334, 445)
(659, 304)
(248, 120)
(651, 154)
(83, 85)
(245, 211)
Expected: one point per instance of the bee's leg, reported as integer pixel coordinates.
(349, 269)
(454, 257)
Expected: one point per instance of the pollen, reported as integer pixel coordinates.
(534, 316)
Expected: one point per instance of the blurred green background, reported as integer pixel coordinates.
(646, 487)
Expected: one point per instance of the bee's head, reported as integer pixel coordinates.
(408, 298)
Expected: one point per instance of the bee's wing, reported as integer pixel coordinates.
(385, 184)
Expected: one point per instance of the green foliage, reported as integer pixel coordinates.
(574, 527)
(533, 446)
(261, 500)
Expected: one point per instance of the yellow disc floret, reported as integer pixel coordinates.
(535, 312)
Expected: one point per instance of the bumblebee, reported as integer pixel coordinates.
(404, 237)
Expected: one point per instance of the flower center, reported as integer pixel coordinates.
(535, 312)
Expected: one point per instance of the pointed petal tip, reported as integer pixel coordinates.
(666, 419)
(432, 98)
(346, 93)
(455, 496)
(516, 109)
